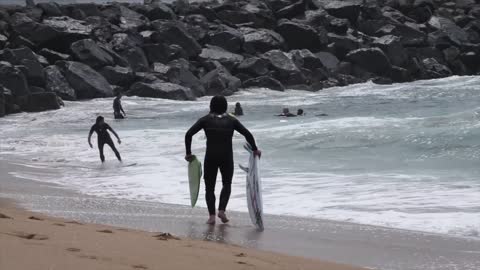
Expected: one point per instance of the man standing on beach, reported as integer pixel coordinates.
(118, 111)
(103, 137)
(219, 128)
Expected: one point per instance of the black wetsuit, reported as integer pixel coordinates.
(117, 109)
(219, 155)
(103, 137)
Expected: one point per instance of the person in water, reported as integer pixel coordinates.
(286, 113)
(219, 128)
(118, 111)
(238, 109)
(300, 112)
(103, 137)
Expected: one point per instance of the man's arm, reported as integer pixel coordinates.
(90, 136)
(188, 136)
(121, 109)
(114, 133)
(248, 136)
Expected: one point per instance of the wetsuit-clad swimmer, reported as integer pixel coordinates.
(219, 128)
(238, 109)
(286, 113)
(103, 137)
(118, 111)
(300, 112)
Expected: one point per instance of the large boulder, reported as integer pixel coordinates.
(124, 17)
(13, 79)
(159, 11)
(87, 82)
(227, 59)
(220, 82)
(180, 72)
(328, 60)
(227, 38)
(29, 63)
(340, 45)
(88, 52)
(121, 76)
(32, 30)
(295, 9)
(197, 26)
(264, 82)
(348, 9)
(261, 40)
(285, 69)
(37, 102)
(136, 59)
(306, 59)
(159, 89)
(300, 36)
(371, 59)
(254, 13)
(170, 32)
(393, 48)
(50, 9)
(431, 69)
(162, 53)
(409, 36)
(56, 82)
(457, 35)
(253, 66)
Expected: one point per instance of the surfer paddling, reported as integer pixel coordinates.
(219, 128)
(103, 137)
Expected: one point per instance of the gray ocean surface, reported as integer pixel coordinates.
(403, 155)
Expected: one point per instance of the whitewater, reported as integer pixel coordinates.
(403, 156)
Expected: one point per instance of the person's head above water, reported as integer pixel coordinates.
(119, 94)
(238, 105)
(300, 112)
(218, 105)
(100, 119)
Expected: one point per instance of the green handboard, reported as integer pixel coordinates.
(194, 176)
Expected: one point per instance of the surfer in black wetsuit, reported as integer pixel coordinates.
(103, 137)
(118, 111)
(219, 128)
(238, 109)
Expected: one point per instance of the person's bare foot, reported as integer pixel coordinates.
(211, 220)
(223, 216)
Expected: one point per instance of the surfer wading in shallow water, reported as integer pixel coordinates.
(118, 111)
(219, 128)
(103, 137)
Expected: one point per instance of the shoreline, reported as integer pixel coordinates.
(347, 243)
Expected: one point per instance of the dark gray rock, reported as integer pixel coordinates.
(316, 18)
(169, 32)
(25, 57)
(285, 69)
(13, 79)
(339, 26)
(53, 56)
(408, 35)
(37, 102)
(349, 9)
(264, 82)
(87, 82)
(88, 52)
(471, 60)
(161, 89)
(393, 48)
(300, 36)
(121, 76)
(124, 41)
(255, 14)
(124, 17)
(83, 9)
(371, 59)
(451, 54)
(306, 59)
(136, 59)
(32, 30)
(398, 74)
(179, 72)
(3, 41)
(36, 89)
(328, 60)
(159, 11)
(253, 66)
(227, 38)
(227, 59)
(197, 26)
(161, 53)
(261, 40)
(456, 34)
(50, 9)
(342, 44)
(2, 101)
(220, 82)
(432, 69)
(56, 82)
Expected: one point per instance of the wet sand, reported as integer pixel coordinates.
(348, 243)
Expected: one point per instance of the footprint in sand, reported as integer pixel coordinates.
(73, 249)
(73, 222)
(241, 255)
(35, 218)
(59, 224)
(30, 236)
(4, 216)
(105, 231)
(139, 266)
(88, 257)
(165, 236)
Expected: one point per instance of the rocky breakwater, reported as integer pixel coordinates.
(50, 52)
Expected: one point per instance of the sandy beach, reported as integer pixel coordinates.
(32, 241)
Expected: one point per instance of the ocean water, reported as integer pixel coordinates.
(403, 156)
